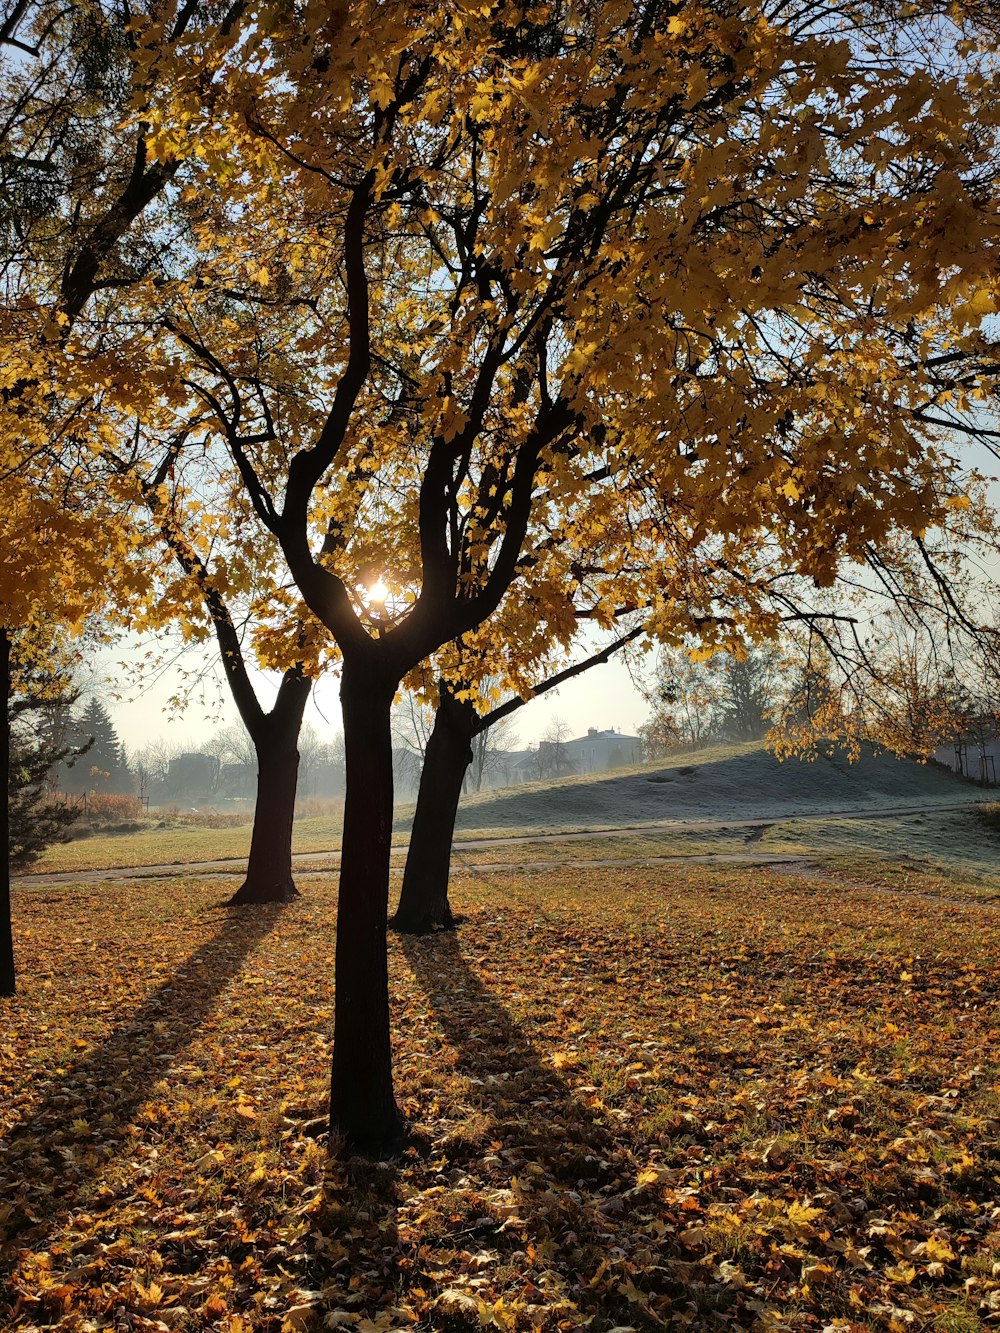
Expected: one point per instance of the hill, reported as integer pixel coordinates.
(732, 782)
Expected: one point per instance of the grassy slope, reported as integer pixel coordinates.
(718, 783)
(666, 1098)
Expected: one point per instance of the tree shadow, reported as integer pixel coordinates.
(68, 1140)
(537, 1116)
(571, 1180)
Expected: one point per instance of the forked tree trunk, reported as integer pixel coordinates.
(423, 900)
(7, 976)
(362, 1103)
(269, 868)
(276, 738)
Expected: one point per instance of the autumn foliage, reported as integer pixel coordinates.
(696, 1098)
(521, 315)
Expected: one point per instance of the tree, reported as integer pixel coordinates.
(222, 559)
(732, 695)
(108, 770)
(748, 694)
(659, 732)
(490, 744)
(39, 741)
(686, 697)
(28, 821)
(553, 761)
(75, 176)
(902, 689)
(489, 226)
(424, 906)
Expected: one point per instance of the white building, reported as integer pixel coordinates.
(600, 750)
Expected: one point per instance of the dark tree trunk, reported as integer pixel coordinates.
(423, 900)
(7, 975)
(269, 868)
(275, 737)
(362, 1104)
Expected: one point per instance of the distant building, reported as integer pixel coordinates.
(321, 777)
(599, 751)
(512, 768)
(237, 781)
(192, 777)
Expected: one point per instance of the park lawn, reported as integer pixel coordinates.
(660, 1097)
(176, 845)
(946, 849)
(720, 783)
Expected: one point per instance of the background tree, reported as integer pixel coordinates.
(491, 744)
(39, 742)
(686, 698)
(553, 760)
(749, 690)
(107, 769)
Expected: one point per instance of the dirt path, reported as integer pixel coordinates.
(233, 868)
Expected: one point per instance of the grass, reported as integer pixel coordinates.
(935, 850)
(722, 785)
(177, 845)
(676, 1097)
(718, 783)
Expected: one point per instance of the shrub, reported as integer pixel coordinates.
(173, 816)
(319, 807)
(110, 807)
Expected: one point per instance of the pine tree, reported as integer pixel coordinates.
(106, 767)
(39, 741)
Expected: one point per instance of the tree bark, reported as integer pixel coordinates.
(8, 980)
(362, 1103)
(423, 901)
(275, 736)
(269, 868)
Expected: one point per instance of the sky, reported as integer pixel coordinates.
(605, 697)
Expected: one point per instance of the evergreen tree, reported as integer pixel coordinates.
(106, 768)
(40, 740)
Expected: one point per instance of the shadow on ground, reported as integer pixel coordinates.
(73, 1135)
(567, 1207)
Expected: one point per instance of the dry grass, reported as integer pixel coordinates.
(664, 1098)
(720, 784)
(177, 844)
(942, 848)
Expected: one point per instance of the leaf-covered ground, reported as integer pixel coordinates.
(655, 1098)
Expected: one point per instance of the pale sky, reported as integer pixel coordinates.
(604, 697)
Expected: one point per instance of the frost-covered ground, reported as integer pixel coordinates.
(719, 783)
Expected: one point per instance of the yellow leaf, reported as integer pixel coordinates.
(938, 1250)
(902, 1273)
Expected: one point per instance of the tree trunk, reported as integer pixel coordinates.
(269, 868)
(276, 737)
(7, 975)
(423, 901)
(362, 1104)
